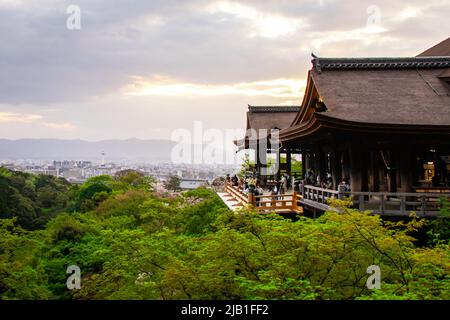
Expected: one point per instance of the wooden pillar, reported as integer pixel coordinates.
(392, 173)
(336, 168)
(405, 168)
(355, 168)
(382, 173)
(439, 165)
(288, 161)
(302, 159)
(345, 164)
(314, 167)
(375, 179)
(278, 154)
(320, 163)
(371, 172)
(258, 164)
(306, 158)
(364, 169)
(416, 170)
(261, 157)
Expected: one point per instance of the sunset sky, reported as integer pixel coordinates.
(141, 69)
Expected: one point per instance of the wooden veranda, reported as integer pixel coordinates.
(282, 204)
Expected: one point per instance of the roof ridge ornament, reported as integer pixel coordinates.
(316, 62)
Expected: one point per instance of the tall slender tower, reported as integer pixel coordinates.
(103, 158)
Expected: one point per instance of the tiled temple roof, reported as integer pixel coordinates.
(439, 50)
(380, 63)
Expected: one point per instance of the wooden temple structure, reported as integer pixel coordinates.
(261, 120)
(379, 125)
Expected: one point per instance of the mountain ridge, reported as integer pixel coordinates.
(74, 149)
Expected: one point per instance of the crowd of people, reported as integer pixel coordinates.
(249, 184)
(252, 185)
(327, 182)
(283, 183)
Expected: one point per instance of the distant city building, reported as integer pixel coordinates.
(192, 184)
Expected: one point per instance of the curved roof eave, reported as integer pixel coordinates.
(319, 121)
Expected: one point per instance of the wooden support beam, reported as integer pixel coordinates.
(355, 168)
(405, 168)
(336, 169)
(288, 162)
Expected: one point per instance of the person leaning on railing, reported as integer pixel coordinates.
(235, 181)
(258, 192)
(273, 192)
(245, 187)
(277, 188)
(310, 177)
(345, 185)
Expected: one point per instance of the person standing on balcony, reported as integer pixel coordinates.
(277, 188)
(235, 181)
(258, 192)
(288, 181)
(310, 177)
(283, 185)
(273, 192)
(345, 185)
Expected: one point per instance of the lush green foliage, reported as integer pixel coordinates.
(31, 199)
(296, 166)
(173, 183)
(440, 227)
(132, 244)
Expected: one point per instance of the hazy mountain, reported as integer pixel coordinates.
(131, 149)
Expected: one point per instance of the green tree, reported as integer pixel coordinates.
(173, 183)
(133, 244)
(133, 179)
(22, 274)
(91, 193)
(440, 227)
(33, 199)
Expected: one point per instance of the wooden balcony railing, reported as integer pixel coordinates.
(384, 203)
(388, 203)
(280, 203)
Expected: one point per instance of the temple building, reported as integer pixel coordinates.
(380, 124)
(260, 121)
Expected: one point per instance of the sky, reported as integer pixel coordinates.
(143, 68)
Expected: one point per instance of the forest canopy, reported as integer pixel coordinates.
(131, 243)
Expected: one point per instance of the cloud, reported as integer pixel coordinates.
(214, 55)
(263, 24)
(62, 126)
(11, 3)
(196, 41)
(24, 118)
(367, 35)
(163, 86)
(11, 117)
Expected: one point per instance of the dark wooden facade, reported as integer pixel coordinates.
(381, 124)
